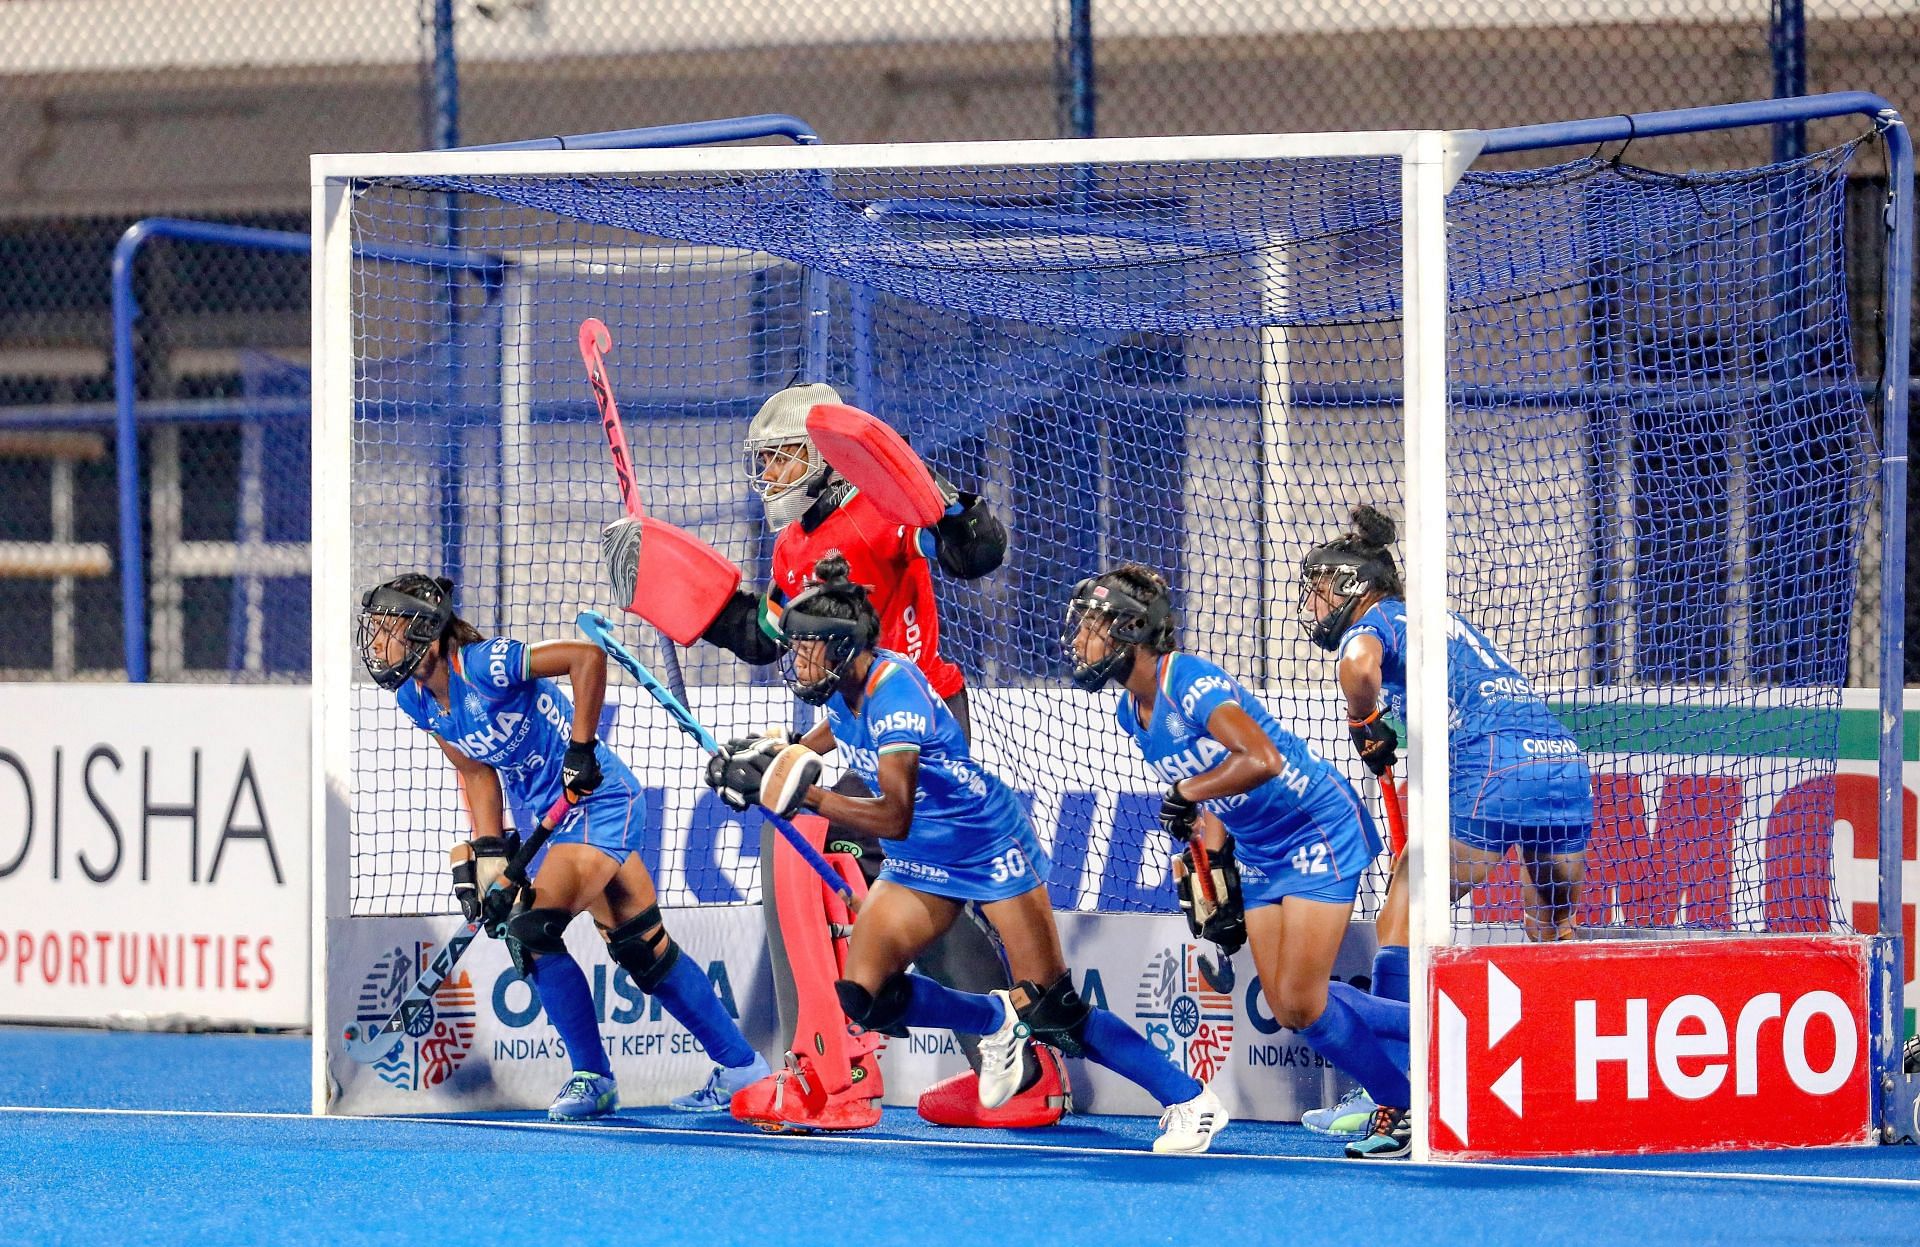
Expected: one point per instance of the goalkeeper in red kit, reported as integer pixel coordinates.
(814, 511)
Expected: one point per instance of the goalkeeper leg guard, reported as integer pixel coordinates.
(832, 1078)
(802, 926)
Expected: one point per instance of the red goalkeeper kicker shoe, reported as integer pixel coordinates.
(795, 1100)
(955, 1101)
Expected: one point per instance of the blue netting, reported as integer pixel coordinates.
(1658, 464)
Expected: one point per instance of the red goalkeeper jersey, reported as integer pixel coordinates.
(884, 555)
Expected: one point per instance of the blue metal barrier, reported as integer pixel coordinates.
(126, 316)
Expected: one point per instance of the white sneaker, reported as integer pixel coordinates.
(1188, 1129)
(1003, 1056)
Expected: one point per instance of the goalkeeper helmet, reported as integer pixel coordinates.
(1346, 570)
(779, 432)
(1139, 609)
(414, 608)
(835, 612)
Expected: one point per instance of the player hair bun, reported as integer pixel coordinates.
(1371, 527)
(1143, 577)
(445, 583)
(833, 570)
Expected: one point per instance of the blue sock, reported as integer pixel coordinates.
(1342, 1036)
(564, 994)
(1124, 1050)
(942, 1008)
(687, 994)
(1387, 1019)
(1390, 973)
(1390, 983)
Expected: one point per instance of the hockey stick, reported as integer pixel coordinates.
(594, 341)
(599, 629)
(1219, 977)
(660, 572)
(1396, 813)
(382, 1040)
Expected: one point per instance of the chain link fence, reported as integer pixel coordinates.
(115, 110)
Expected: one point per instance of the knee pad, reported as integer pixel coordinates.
(536, 933)
(642, 947)
(1057, 1016)
(882, 1011)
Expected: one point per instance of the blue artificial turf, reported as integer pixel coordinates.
(196, 1175)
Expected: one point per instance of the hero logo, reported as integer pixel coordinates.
(1670, 1046)
(1566, 1066)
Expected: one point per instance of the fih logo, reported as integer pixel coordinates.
(437, 1038)
(1186, 1019)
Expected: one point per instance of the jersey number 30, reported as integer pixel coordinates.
(1009, 865)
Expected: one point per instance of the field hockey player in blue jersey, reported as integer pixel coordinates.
(955, 836)
(512, 735)
(1517, 778)
(1286, 837)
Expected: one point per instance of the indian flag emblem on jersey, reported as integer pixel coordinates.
(1181, 1015)
(437, 1038)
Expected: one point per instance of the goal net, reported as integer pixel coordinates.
(1631, 397)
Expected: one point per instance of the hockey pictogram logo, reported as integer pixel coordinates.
(1182, 1016)
(436, 1038)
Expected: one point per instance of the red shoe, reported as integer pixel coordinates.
(794, 1100)
(955, 1101)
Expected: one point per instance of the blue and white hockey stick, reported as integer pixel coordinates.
(369, 1044)
(599, 629)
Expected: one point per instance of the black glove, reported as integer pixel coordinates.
(580, 769)
(475, 870)
(499, 904)
(1178, 815)
(777, 740)
(737, 774)
(970, 542)
(1224, 918)
(1375, 741)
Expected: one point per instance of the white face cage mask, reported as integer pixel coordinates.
(784, 503)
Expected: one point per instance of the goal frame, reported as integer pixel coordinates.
(1431, 162)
